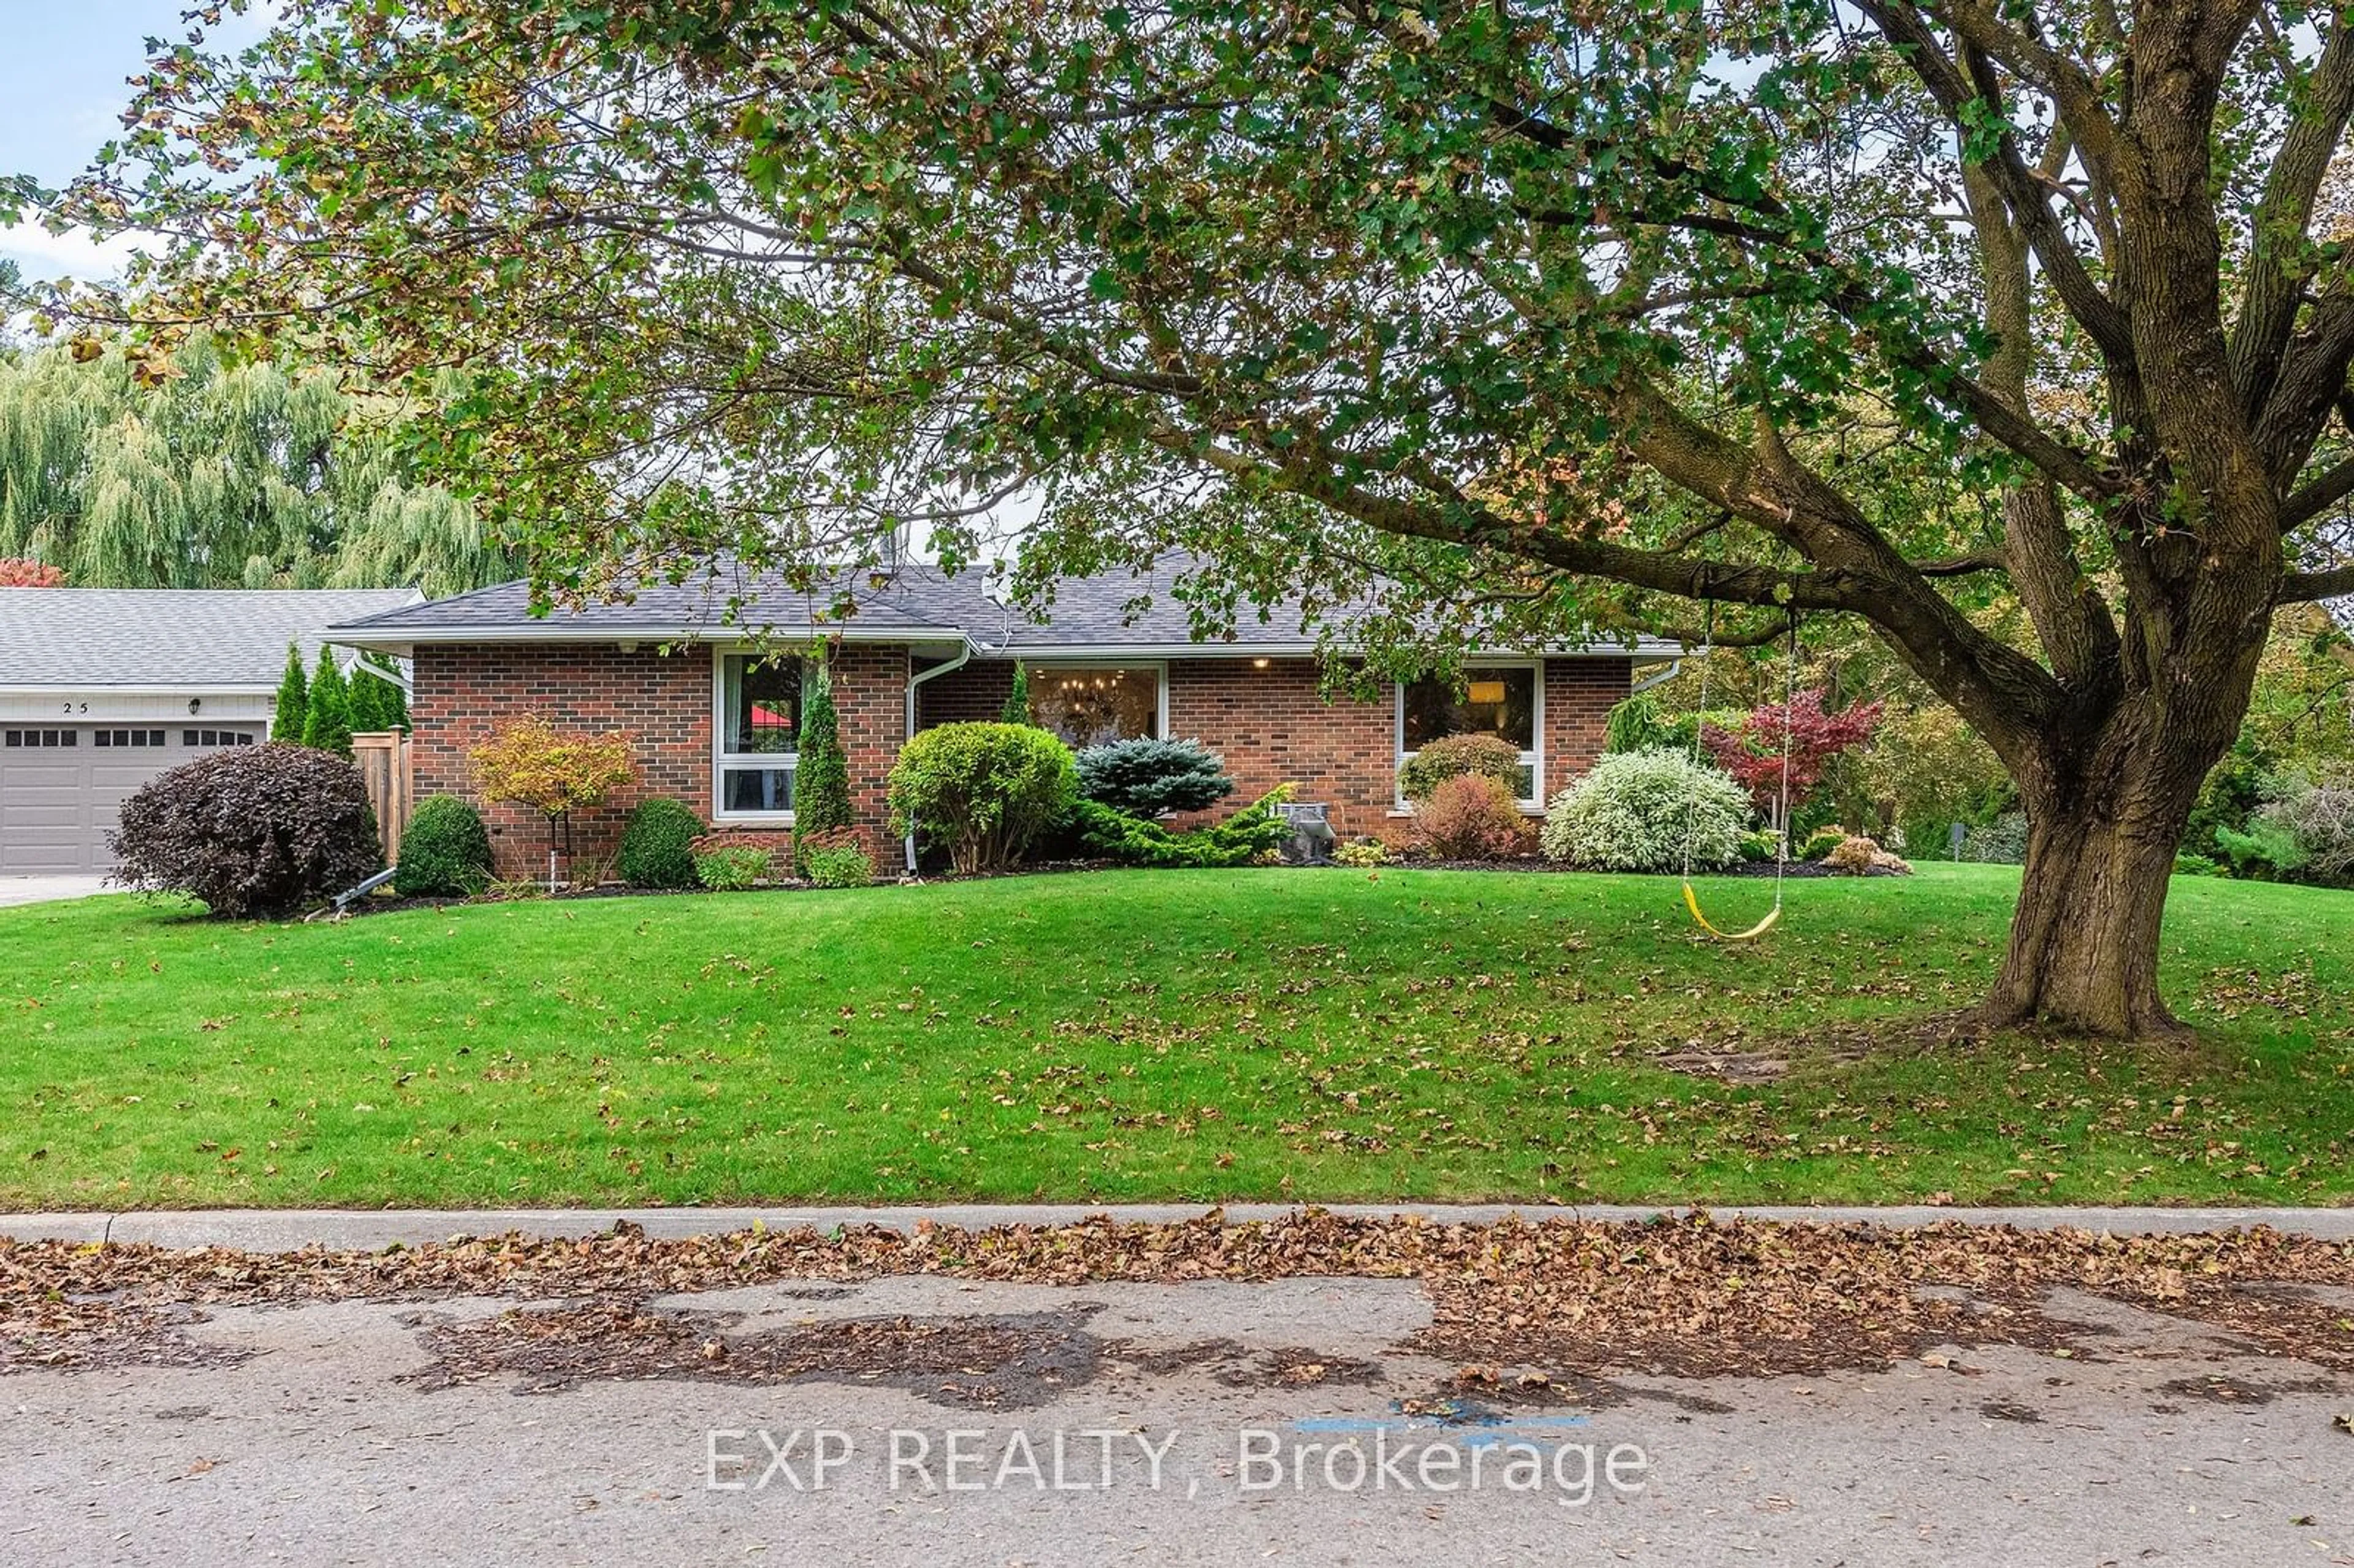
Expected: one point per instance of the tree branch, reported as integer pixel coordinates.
(2098, 314)
(1553, 138)
(1708, 637)
(1965, 565)
(2309, 380)
(2002, 692)
(2302, 587)
(1721, 581)
(2075, 625)
(2064, 463)
(2036, 62)
(2277, 231)
(2317, 495)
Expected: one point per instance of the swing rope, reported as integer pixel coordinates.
(1782, 815)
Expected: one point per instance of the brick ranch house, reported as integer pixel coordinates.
(714, 710)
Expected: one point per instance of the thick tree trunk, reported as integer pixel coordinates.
(2105, 821)
(2083, 941)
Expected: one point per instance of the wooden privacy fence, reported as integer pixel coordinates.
(383, 763)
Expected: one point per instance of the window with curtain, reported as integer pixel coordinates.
(759, 734)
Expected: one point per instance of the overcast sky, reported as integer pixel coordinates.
(61, 89)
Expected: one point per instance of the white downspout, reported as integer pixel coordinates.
(917, 678)
(1675, 667)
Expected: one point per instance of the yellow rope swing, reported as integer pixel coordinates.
(1782, 817)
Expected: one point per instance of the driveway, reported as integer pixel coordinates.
(48, 889)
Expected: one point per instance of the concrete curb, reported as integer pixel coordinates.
(285, 1230)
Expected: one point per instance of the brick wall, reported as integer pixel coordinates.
(1579, 695)
(663, 700)
(974, 694)
(870, 697)
(1273, 726)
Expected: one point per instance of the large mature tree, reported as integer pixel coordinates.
(126, 466)
(1543, 314)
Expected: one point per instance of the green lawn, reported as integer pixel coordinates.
(1154, 1035)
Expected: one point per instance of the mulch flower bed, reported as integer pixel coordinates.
(1573, 1299)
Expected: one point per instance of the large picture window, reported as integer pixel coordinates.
(1502, 700)
(758, 735)
(1098, 704)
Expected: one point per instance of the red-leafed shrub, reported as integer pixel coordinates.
(17, 572)
(1470, 817)
(259, 830)
(1752, 750)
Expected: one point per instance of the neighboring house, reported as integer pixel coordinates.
(716, 723)
(101, 689)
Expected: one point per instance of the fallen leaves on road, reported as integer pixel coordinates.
(1692, 1296)
(981, 1362)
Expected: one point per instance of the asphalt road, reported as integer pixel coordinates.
(1199, 1423)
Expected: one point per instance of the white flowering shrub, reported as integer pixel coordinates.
(1633, 810)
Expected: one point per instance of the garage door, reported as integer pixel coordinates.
(61, 786)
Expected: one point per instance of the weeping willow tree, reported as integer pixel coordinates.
(211, 474)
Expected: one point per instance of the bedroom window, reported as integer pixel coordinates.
(757, 735)
(1502, 700)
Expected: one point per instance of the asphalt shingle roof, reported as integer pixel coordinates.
(1140, 609)
(219, 637)
(916, 603)
(913, 601)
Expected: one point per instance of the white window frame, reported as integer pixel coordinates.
(1159, 668)
(722, 759)
(1532, 759)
